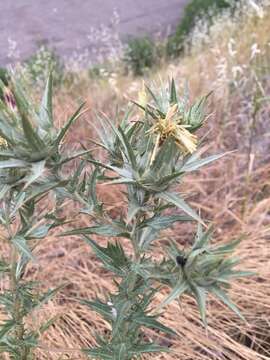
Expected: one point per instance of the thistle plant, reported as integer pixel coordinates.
(149, 157)
(31, 161)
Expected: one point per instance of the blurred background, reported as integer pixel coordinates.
(70, 26)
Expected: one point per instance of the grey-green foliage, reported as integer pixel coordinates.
(151, 165)
(31, 160)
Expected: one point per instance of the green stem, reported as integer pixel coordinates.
(13, 285)
(137, 259)
(136, 250)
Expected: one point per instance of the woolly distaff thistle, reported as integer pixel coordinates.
(31, 161)
(149, 157)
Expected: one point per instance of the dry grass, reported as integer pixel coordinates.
(233, 193)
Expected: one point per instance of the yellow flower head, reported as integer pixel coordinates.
(171, 126)
(142, 96)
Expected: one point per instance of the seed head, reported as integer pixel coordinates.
(3, 143)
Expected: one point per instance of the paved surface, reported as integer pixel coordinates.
(65, 24)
